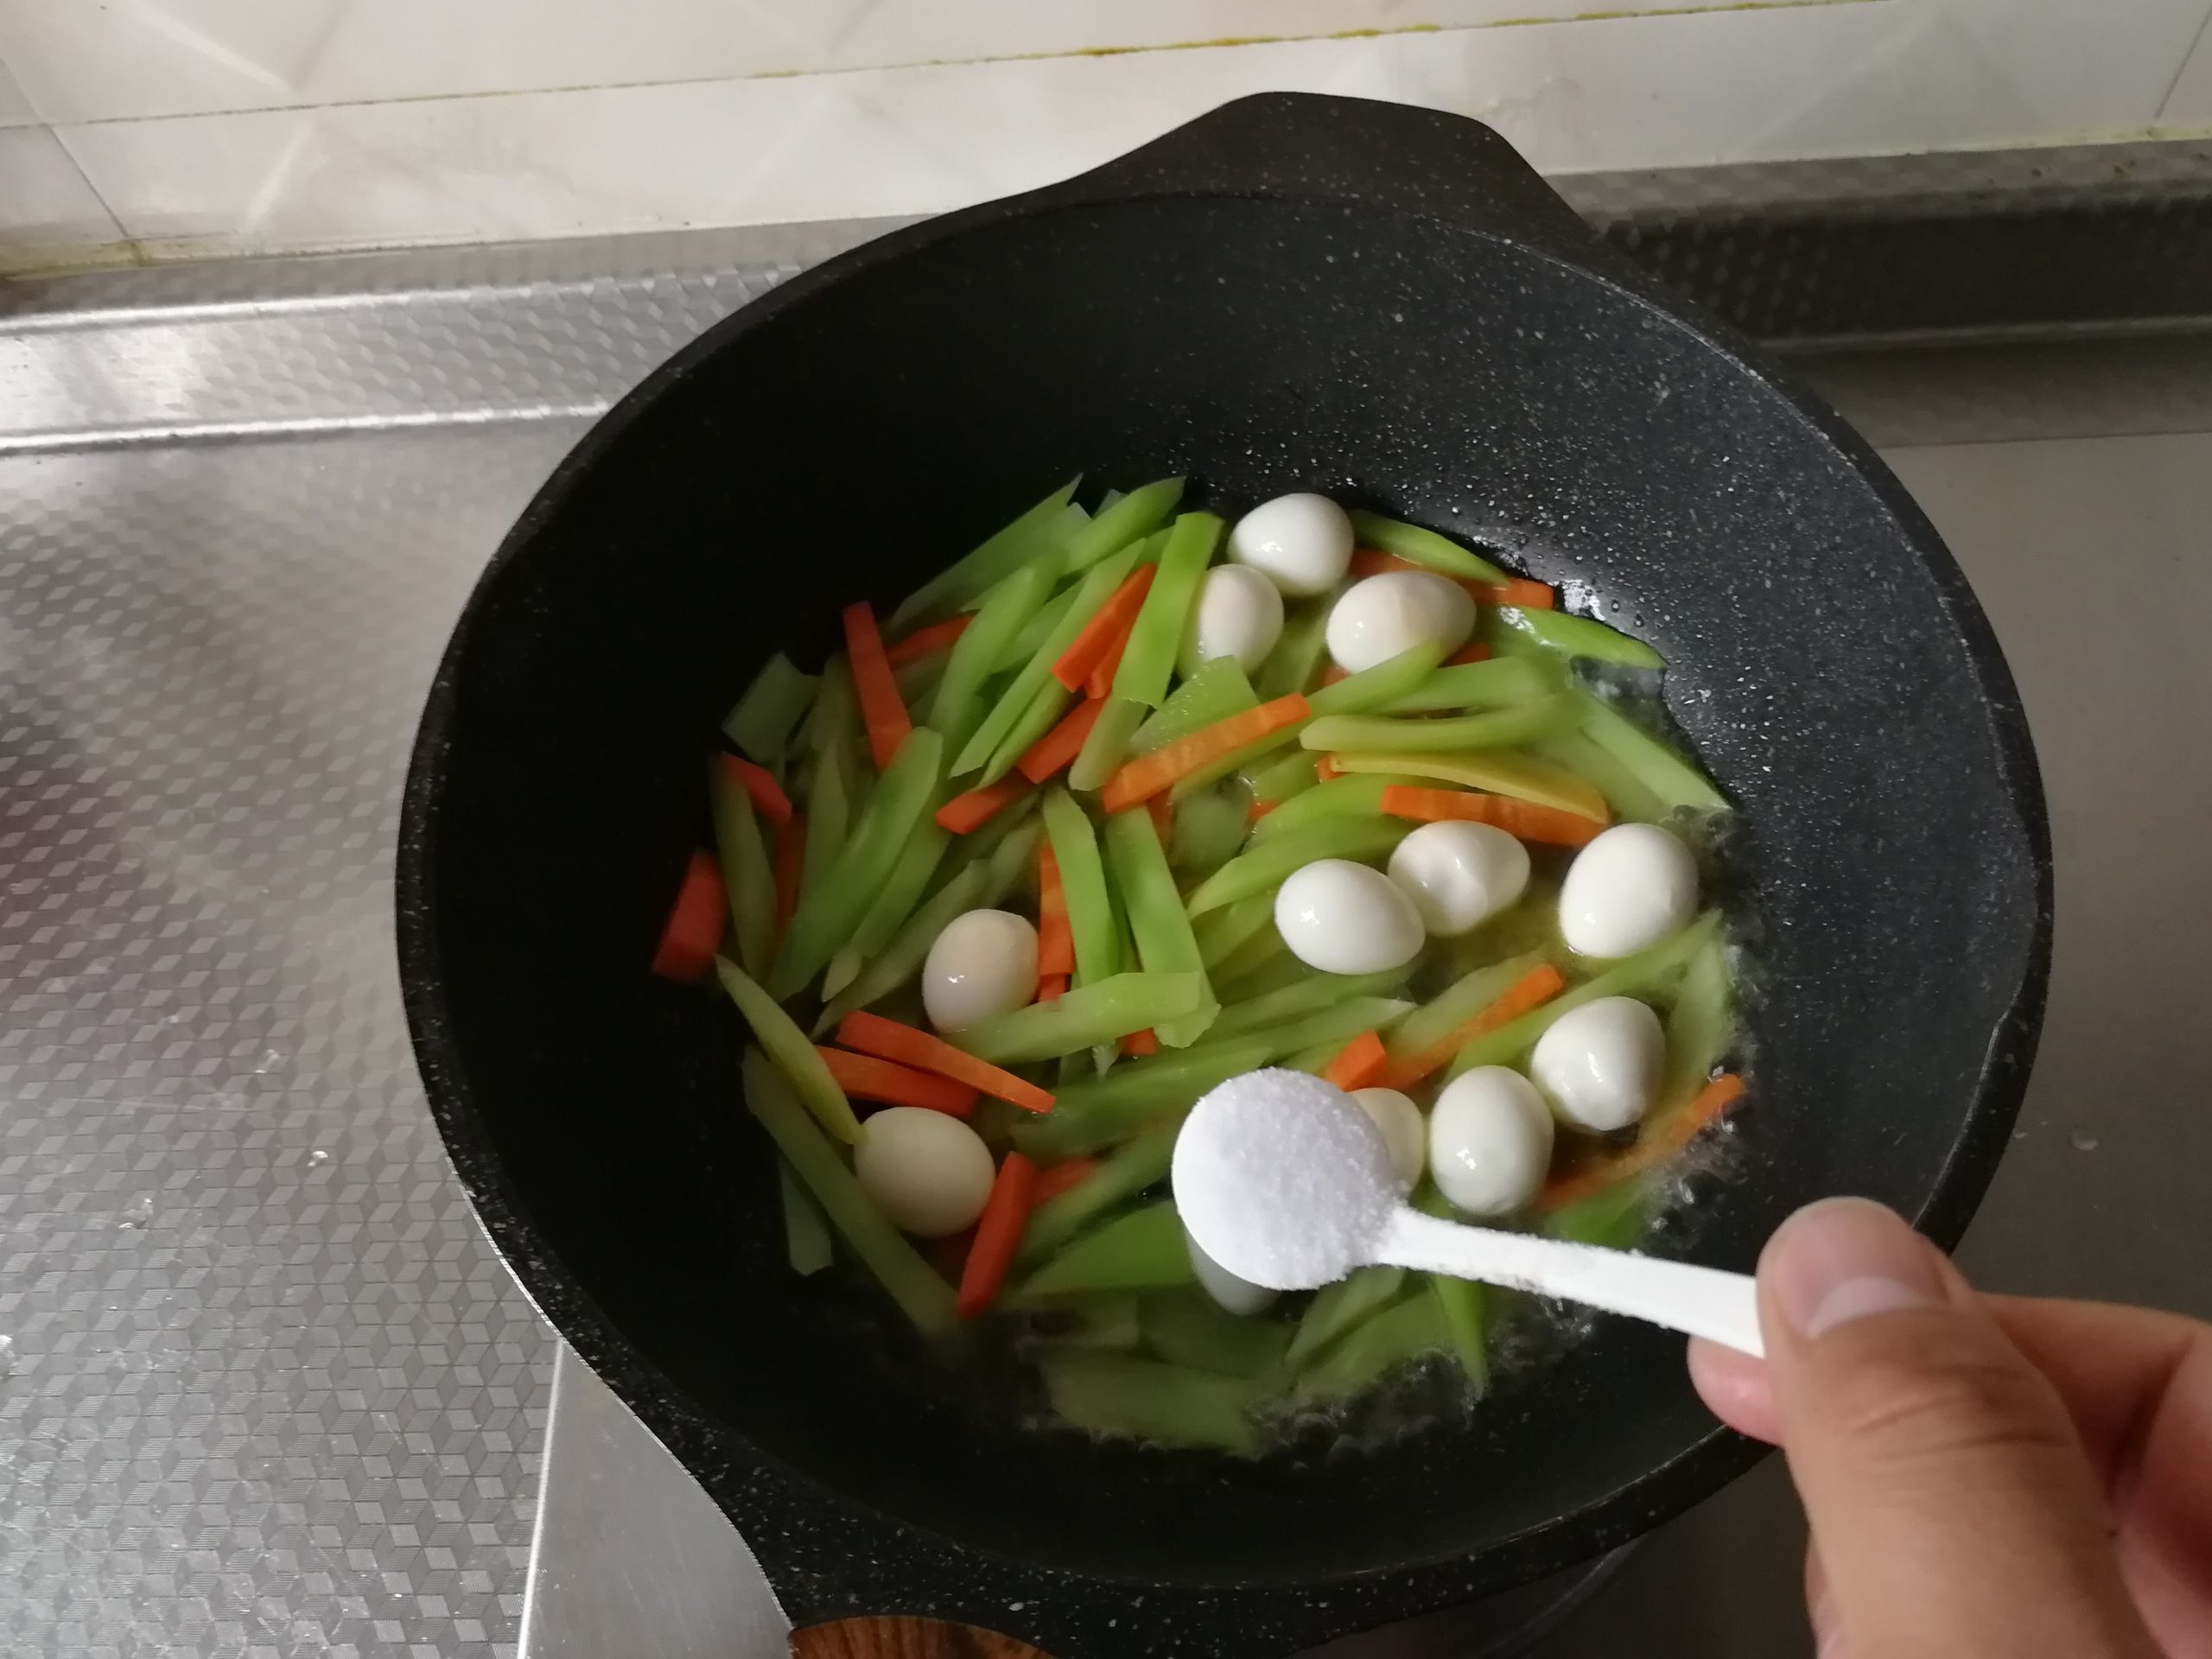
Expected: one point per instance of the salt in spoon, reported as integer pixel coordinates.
(1282, 1178)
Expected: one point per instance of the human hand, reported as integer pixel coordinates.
(1987, 1477)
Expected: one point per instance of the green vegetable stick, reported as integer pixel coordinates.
(1015, 702)
(1296, 658)
(1130, 519)
(921, 1295)
(1041, 530)
(1209, 827)
(893, 816)
(1157, 921)
(1157, 635)
(1042, 713)
(748, 877)
(794, 1054)
(1142, 1250)
(806, 1235)
(1282, 779)
(1038, 628)
(1261, 957)
(1103, 1011)
(977, 885)
(1336, 1308)
(1373, 688)
(1103, 1111)
(1699, 1026)
(1567, 634)
(1496, 729)
(763, 720)
(1220, 932)
(1632, 800)
(1217, 691)
(1663, 772)
(1338, 798)
(1364, 1356)
(828, 818)
(1097, 1322)
(1635, 975)
(958, 708)
(834, 719)
(1125, 1173)
(1314, 994)
(1615, 1218)
(1082, 879)
(1452, 1007)
(1498, 684)
(1461, 1302)
(1424, 547)
(1144, 1399)
(1108, 743)
(1339, 1023)
(1269, 864)
(910, 878)
(1500, 771)
(1188, 1327)
(917, 681)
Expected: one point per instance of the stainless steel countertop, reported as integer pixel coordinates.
(265, 1389)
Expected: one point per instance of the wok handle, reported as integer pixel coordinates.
(906, 1639)
(1314, 147)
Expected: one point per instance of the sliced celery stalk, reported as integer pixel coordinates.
(794, 1055)
(1104, 1012)
(1107, 743)
(1419, 546)
(1500, 771)
(834, 719)
(1157, 635)
(1379, 686)
(1569, 635)
(1112, 1323)
(1217, 691)
(1044, 713)
(1630, 798)
(806, 1235)
(827, 804)
(1091, 917)
(1142, 1250)
(1615, 1218)
(1656, 765)
(1462, 1302)
(1261, 963)
(1125, 518)
(1268, 864)
(1339, 1024)
(1312, 995)
(1492, 730)
(958, 708)
(910, 878)
(1365, 1354)
(977, 885)
(1699, 1026)
(763, 720)
(1277, 781)
(1188, 1327)
(1127, 1171)
(1157, 920)
(1134, 1096)
(1296, 658)
(917, 681)
(1220, 932)
(1498, 684)
(748, 878)
(1336, 1308)
(1339, 798)
(1146, 1400)
(1209, 829)
(1637, 975)
(921, 1295)
(1096, 585)
(893, 818)
(1452, 1007)
(1042, 528)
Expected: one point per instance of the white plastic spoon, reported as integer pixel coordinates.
(1284, 1181)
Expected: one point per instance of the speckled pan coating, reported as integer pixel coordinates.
(1379, 303)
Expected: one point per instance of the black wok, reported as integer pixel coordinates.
(1294, 292)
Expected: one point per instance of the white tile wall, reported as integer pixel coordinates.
(48, 212)
(238, 126)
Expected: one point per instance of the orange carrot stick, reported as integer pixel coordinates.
(1653, 1147)
(1100, 681)
(1140, 1044)
(1140, 779)
(1539, 985)
(971, 811)
(881, 709)
(1514, 590)
(927, 642)
(1055, 937)
(791, 860)
(998, 1234)
(870, 1077)
(1163, 817)
(1374, 562)
(1052, 987)
(871, 1033)
(1359, 1064)
(1057, 1179)
(1058, 747)
(1478, 652)
(1326, 767)
(694, 922)
(1109, 625)
(768, 798)
(1522, 819)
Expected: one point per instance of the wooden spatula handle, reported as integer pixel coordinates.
(906, 1639)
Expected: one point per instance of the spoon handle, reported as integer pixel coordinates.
(1697, 1301)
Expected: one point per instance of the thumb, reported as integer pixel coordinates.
(1951, 1506)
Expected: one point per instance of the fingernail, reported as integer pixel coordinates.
(1843, 1259)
